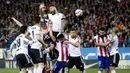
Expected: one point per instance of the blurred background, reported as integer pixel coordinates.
(97, 13)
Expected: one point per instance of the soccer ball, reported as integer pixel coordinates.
(78, 12)
(118, 0)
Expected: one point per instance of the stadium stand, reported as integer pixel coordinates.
(97, 13)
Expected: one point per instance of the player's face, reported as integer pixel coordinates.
(101, 32)
(42, 7)
(43, 11)
(73, 33)
(52, 10)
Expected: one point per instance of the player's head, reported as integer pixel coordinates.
(43, 10)
(73, 32)
(42, 7)
(53, 10)
(37, 20)
(23, 29)
(61, 37)
(102, 31)
(115, 30)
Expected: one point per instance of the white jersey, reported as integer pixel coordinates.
(21, 44)
(35, 30)
(56, 21)
(74, 51)
(114, 45)
(63, 51)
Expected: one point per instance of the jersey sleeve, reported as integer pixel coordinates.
(26, 40)
(62, 16)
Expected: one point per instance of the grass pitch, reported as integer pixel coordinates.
(5, 70)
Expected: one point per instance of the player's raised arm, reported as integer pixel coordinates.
(17, 22)
(38, 36)
(51, 34)
(13, 44)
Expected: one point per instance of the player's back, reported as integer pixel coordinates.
(63, 51)
(21, 44)
(34, 31)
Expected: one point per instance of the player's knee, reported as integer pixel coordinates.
(66, 68)
(101, 69)
(112, 68)
(23, 70)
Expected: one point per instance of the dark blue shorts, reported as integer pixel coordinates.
(58, 66)
(103, 62)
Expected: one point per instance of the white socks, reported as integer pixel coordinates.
(30, 71)
(20, 72)
(40, 69)
(66, 71)
(35, 70)
(113, 71)
(46, 51)
(99, 72)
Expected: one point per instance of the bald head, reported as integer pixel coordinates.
(52, 9)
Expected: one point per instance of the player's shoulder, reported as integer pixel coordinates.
(19, 36)
(61, 15)
(96, 36)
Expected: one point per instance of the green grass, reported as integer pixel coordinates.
(5, 70)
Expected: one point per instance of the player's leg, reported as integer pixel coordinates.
(40, 61)
(114, 60)
(22, 62)
(33, 56)
(69, 64)
(101, 64)
(79, 64)
(30, 64)
(107, 64)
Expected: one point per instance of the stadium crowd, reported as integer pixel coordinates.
(97, 13)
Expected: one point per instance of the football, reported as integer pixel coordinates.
(78, 12)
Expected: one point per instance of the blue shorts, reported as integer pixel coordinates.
(103, 62)
(58, 66)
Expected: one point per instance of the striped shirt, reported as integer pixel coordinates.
(63, 51)
(102, 51)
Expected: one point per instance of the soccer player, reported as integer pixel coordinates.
(75, 57)
(114, 54)
(63, 54)
(23, 59)
(58, 20)
(102, 52)
(38, 45)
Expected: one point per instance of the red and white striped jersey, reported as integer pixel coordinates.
(48, 22)
(63, 51)
(102, 51)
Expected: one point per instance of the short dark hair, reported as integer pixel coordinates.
(73, 29)
(102, 29)
(61, 36)
(23, 29)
